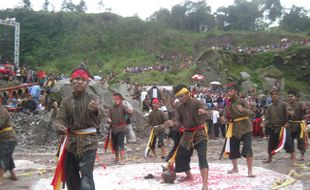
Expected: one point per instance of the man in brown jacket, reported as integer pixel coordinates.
(156, 120)
(117, 120)
(78, 117)
(276, 117)
(190, 118)
(7, 144)
(296, 122)
(238, 114)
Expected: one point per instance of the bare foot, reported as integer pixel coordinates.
(267, 161)
(232, 171)
(1, 181)
(187, 178)
(251, 176)
(13, 176)
(294, 164)
(204, 187)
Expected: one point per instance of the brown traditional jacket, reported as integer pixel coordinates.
(157, 118)
(6, 136)
(299, 113)
(276, 115)
(117, 114)
(74, 114)
(187, 117)
(231, 113)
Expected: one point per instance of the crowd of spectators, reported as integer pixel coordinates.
(282, 45)
(140, 69)
(32, 96)
(214, 99)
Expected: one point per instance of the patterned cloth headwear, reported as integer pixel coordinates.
(79, 73)
(182, 91)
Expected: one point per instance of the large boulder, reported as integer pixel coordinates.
(64, 88)
(271, 77)
(245, 75)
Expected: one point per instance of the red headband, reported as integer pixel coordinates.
(155, 101)
(117, 97)
(79, 73)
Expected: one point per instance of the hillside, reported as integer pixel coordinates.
(57, 42)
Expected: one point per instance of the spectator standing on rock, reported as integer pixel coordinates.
(143, 94)
(154, 92)
(7, 145)
(48, 85)
(84, 64)
(131, 133)
(297, 124)
(137, 93)
(78, 117)
(146, 104)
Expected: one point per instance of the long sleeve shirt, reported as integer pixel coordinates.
(231, 112)
(187, 116)
(6, 136)
(74, 114)
(276, 115)
(298, 114)
(117, 114)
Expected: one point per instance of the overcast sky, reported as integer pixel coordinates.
(143, 8)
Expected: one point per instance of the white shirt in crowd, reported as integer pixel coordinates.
(215, 116)
(143, 94)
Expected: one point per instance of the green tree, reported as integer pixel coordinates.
(68, 6)
(81, 7)
(274, 9)
(178, 17)
(161, 16)
(45, 5)
(26, 4)
(296, 20)
(242, 15)
(198, 16)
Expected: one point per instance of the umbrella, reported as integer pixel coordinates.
(198, 77)
(97, 78)
(215, 83)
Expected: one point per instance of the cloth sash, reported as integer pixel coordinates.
(229, 134)
(282, 139)
(303, 131)
(84, 131)
(108, 145)
(193, 129)
(119, 125)
(59, 175)
(149, 143)
(173, 157)
(6, 129)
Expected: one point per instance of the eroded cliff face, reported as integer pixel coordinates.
(283, 70)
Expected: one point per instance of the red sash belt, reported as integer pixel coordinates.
(192, 129)
(119, 125)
